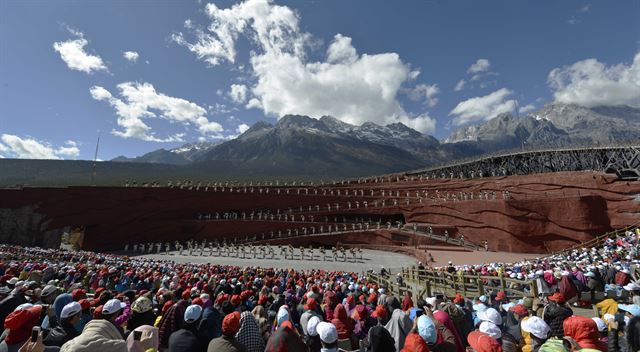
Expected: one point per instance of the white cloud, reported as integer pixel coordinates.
(242, 128)
(30, 148)
(585, 8)
(459, 85)
(422, 123)
(483, 108)
(138, 101)
(347, 85)
(527, 108)
(591, 83)
(73, 54)
(131, 56)
(481, 65)
(238, 93)
(425, 92)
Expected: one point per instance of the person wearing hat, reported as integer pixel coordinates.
(310, 310)
(228, 342)
(512, 338)
(15, 298)
(111, 311)
(481, 342)
(584, 332)
(65, 330)
(311, 338)
(328, 336)
(141, 313)
(18, 324)
(555, 313)
(210, 324)
(186, 339)
(285, 338)
(538, 331)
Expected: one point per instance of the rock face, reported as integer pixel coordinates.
(541, 213)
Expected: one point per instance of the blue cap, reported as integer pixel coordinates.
(427, 329)
(631, 308)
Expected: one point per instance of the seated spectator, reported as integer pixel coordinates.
(65, 331)
(186, 339)
(99, 335)
(228, 342)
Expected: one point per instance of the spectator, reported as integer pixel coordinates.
(555, 313)
(99, 335)
(227, 342)
(185, 339)
(249, 333)
(20, 322)
(65, 331)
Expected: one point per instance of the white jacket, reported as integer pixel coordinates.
(97, 336)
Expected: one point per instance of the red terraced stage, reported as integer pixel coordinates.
(541, 213)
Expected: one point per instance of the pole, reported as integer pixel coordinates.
(95, 159)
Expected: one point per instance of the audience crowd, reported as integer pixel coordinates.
(58, 300)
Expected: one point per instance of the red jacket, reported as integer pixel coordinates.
(584, 331)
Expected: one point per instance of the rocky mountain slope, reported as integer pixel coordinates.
(301, 145)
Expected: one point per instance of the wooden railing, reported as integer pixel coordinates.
(597, 241)
(428, 283)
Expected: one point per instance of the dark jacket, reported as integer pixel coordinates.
(8, 304)
(210, 326)
(554, 315)
(225, 343)
(60, 334)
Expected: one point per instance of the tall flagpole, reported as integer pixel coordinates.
(95, 159)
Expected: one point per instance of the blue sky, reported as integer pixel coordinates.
(206, 72)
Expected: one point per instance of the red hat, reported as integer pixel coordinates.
(166, 306)
(99, 290)
(520, 309)
(235, 300)
(372, 298)
(197, 301)
(18, 318)
(380, 311)
(557, 297)
(481, 342)
(97, 313)
(231, 323)
(85, 304)
(501, 296)
(245, 295)
(262, 300)
(311, 304)
(186, 294)
(78, 294)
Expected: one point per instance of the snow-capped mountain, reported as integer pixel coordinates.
(301, 145)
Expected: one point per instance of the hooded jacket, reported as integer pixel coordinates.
(343, 324)
(98, 336)
(584, 331)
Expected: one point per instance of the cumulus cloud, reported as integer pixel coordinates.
(131, 56)
(13, 146)
(242, 128)
(238, 93)
(460, 85)
(591, 83)
(481, 65)
(525, 109)
(483, 108)
(425, 92)
(72, 52)
(140, 100)
(347, 85)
